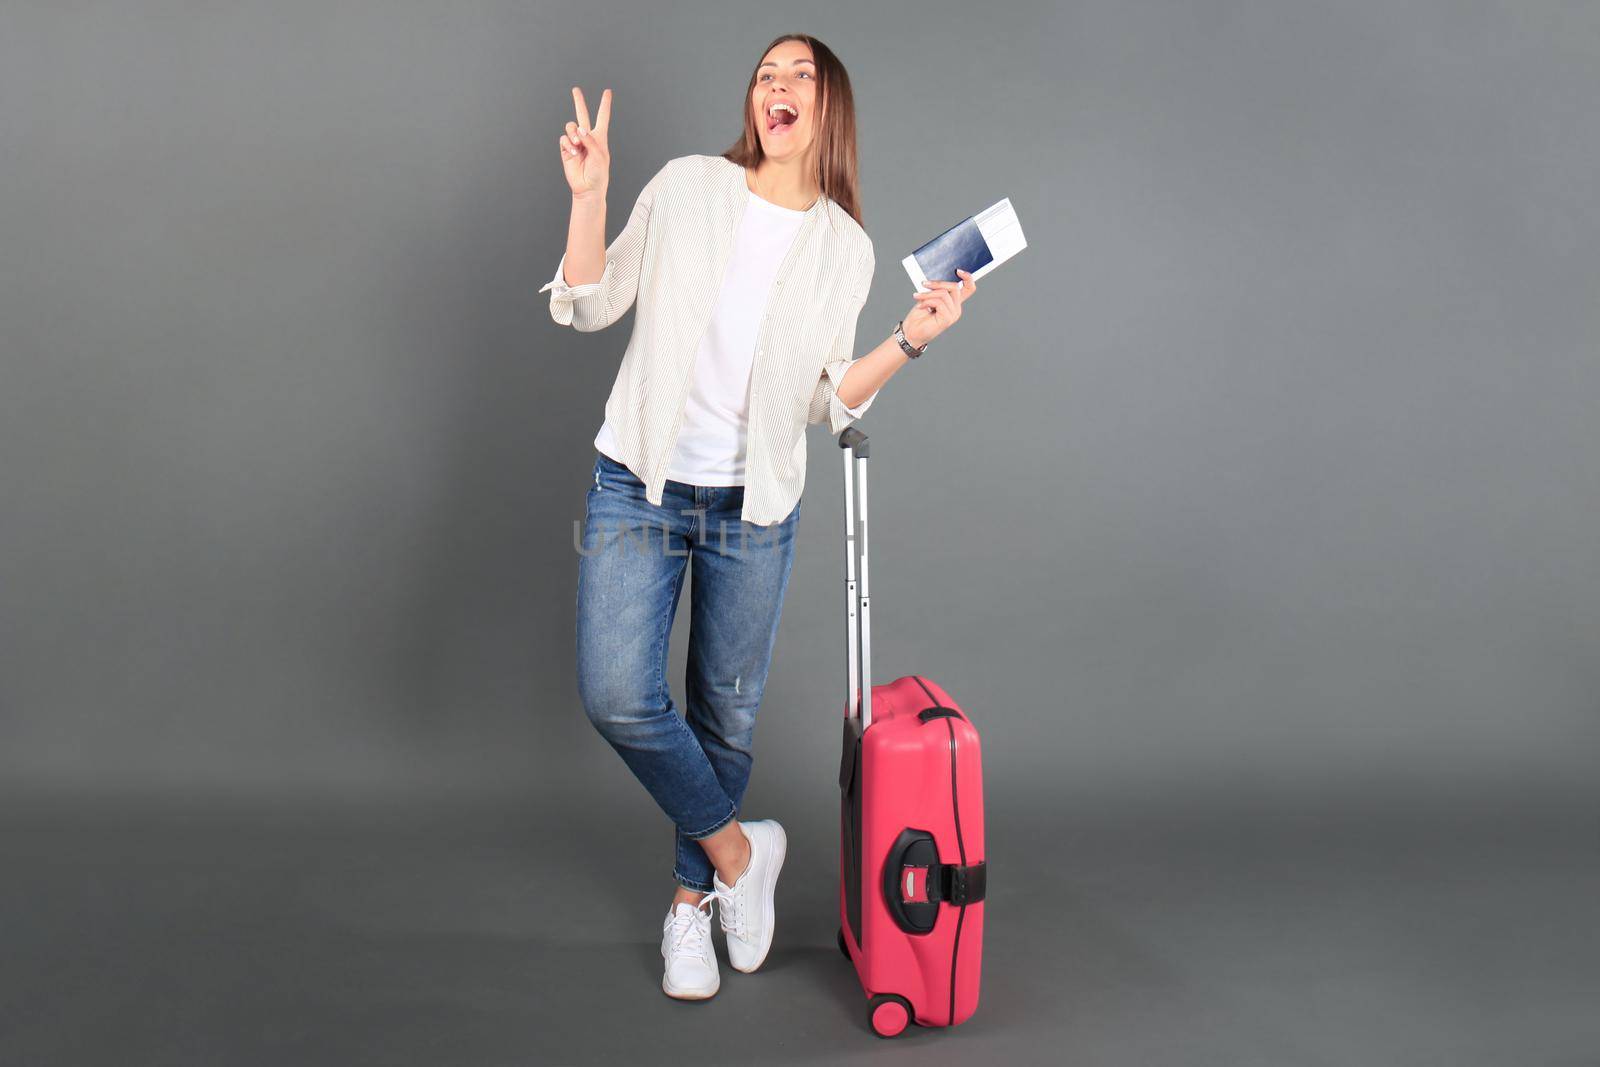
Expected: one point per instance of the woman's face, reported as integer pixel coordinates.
(787, 75)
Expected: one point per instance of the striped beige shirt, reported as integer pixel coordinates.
(670, 257)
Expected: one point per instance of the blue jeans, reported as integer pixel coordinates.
(630, 573)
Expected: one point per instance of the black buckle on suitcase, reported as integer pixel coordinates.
(915, 883)
(963, 885)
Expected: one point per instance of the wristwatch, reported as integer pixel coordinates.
(906, 346)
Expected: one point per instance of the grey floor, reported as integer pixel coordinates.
(466, 934)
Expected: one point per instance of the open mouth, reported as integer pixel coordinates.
(781, 116)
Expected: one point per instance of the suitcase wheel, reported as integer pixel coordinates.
(888, 1014)
(844, 949)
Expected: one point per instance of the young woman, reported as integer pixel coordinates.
(749, 270)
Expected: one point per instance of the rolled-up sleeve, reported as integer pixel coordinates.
(596, 305)
(825, 403)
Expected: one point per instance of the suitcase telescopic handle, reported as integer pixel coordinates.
(858, 618)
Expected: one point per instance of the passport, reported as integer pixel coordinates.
(977, 244)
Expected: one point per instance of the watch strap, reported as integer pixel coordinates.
(906, 346)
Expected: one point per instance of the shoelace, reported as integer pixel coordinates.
(686, 934)
(732, 901)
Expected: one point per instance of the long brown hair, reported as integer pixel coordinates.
(835, 142)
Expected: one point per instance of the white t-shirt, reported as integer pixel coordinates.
(710, 449)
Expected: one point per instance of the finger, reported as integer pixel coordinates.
(569, 146)
(970, 285)
(602, 118)
(582, 108)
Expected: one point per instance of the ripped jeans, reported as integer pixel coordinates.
(630, 573)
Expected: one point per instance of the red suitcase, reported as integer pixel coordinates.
(911, 856)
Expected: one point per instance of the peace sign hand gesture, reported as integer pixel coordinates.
(585, 154)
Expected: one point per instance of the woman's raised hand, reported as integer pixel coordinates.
(936, 309)
(585, 155)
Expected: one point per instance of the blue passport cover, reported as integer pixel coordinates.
(962, 245)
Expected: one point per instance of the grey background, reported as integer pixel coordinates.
(1251, 511)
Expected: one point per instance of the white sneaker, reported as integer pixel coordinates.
(746, 910)
(691, 971)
